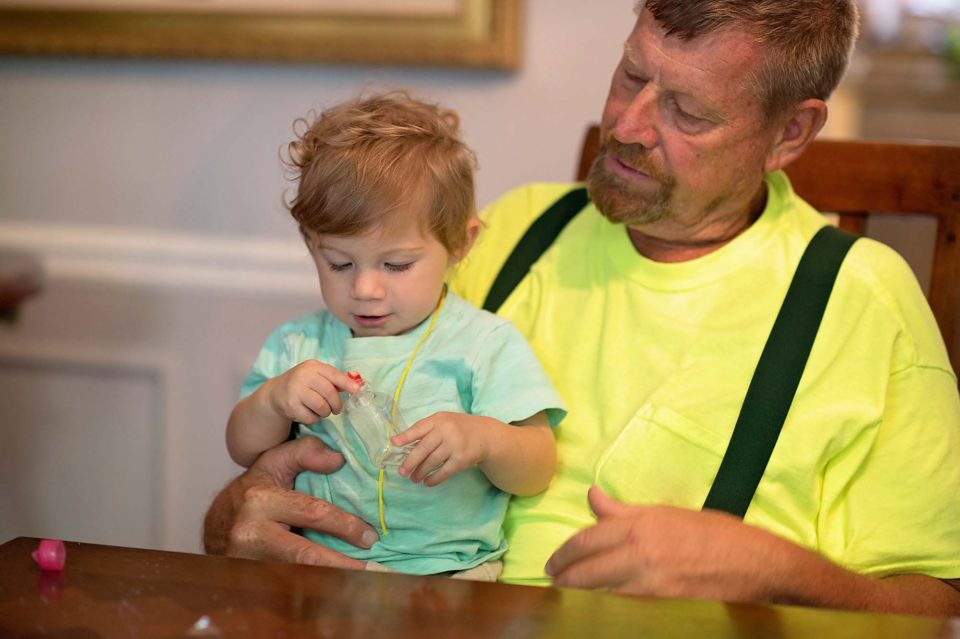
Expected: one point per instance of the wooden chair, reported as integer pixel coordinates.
(856, 179)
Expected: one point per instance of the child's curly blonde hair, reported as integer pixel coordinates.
(359, 161)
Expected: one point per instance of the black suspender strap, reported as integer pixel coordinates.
(532, 245)
(781, 363)
(778, 372)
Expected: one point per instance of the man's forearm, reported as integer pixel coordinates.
(815, 581)
(665, 551)
(220, 518)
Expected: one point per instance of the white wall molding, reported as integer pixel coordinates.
(155, 372)
(147, 257)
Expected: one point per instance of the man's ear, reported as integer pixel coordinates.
(795, 132)
(473, 230)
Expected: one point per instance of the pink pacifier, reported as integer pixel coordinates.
(51, 554)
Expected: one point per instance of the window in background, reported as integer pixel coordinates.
(906, 72)
(919, 25)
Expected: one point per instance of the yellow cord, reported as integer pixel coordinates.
(383, 522)
(396, 398)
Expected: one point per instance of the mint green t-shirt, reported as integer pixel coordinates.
(653, 361)
(473, 362)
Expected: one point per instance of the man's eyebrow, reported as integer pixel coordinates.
(628, 54)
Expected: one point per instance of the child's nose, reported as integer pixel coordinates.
(368, 285)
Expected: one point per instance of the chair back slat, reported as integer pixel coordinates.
(879, 177)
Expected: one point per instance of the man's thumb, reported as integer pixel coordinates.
(603, 505)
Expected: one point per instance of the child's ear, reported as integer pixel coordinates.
(473, 230)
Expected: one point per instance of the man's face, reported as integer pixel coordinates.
(683, 141)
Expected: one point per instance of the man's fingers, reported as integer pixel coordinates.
(599, 538)
(272, 541)
(277, 502)
(268, 503)
(284, 462)
(608, 570)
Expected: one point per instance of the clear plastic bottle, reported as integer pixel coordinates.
(375, 419)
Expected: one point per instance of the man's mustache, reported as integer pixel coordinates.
(633, 155)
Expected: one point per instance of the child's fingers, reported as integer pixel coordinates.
(326, 381)
(341, 380)
(420, 452)
(324, 394)
(437, 457)
(302, 414)
(411, 434)
(444, 472)
(413, 460)
(317, 403)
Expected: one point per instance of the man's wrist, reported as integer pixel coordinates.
(219, 519)
(807, 578)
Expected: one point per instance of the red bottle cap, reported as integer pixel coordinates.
(51, 554)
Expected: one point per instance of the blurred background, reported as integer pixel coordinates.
(147, 192)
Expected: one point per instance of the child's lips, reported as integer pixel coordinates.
(370, 321)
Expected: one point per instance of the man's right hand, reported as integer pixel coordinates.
(253, 514)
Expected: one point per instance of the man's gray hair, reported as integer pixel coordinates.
(807, 44)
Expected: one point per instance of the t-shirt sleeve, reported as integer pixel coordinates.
(509, 383)
(286, 347)
(901, 515)
(269, 363)
(890, 497)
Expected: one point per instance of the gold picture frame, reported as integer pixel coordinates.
(471, 33)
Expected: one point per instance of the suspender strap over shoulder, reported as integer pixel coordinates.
(533, 244)
(781, 363)
(778, 373)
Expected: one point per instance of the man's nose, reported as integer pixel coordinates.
(368, 285)
(639, 122)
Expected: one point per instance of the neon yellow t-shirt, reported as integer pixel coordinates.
(653, 361)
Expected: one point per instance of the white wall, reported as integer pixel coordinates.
(193, 145)
(152, 190)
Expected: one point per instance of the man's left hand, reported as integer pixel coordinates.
(666, 551)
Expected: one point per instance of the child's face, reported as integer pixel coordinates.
(382, 283)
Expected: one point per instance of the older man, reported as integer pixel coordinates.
(650, 311)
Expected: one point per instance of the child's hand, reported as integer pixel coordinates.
(449, 443)
(309, 391)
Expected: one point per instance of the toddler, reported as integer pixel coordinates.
(385, 203)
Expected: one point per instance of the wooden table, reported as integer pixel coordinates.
(107, 591)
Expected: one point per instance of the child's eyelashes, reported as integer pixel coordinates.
(339, 267)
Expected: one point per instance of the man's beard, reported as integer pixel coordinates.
(618, 199)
